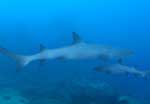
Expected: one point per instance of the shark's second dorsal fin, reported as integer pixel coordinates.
(76, 38)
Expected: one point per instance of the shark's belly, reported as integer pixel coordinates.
(117, 71)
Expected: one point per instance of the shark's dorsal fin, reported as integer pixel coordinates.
(42, 48)
(76, 38)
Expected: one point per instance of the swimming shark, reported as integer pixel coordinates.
(76, 51)
(120, 69)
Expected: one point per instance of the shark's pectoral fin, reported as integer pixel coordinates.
(42, 62)
(146, 78)
(136, 75)
(76, 38)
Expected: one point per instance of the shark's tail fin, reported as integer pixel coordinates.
(22, 61)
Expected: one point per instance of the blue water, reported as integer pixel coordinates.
(25, 24)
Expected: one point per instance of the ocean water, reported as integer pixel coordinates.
(25, 24)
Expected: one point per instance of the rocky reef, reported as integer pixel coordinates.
(131, 100)
(75, 92)
(93, 93)
(11, 96)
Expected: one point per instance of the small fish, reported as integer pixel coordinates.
(76, 51)
(119, 69)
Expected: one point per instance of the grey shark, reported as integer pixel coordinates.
(76, 51)
(119, 69)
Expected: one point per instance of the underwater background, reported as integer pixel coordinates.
(25, 24)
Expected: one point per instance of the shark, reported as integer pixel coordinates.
(76, 51)
(120, 69)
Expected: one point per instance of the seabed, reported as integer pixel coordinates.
(77, 93)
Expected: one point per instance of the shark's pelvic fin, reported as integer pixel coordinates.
(76, 38)
(21, 60)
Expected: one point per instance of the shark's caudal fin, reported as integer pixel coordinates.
(76, 38)
(22, 61)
